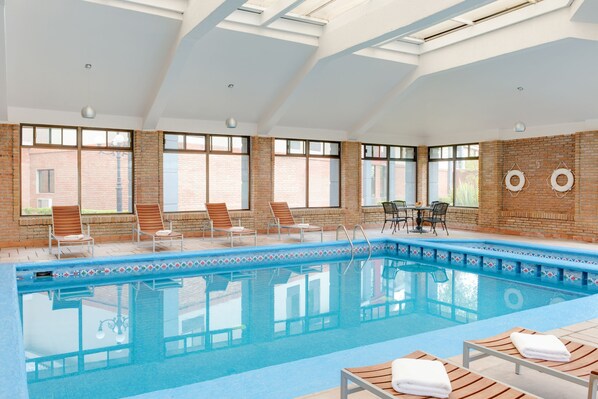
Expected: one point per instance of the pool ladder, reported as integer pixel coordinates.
(342, 228)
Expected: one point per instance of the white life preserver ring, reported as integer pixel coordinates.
(564, 187)
(513, 298)
(519, 186)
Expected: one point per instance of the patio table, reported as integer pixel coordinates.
(418, 219)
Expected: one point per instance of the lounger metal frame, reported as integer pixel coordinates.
(275, 222)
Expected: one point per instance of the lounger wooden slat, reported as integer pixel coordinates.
(66, 221)
(584, 358)
(283, 219)
(149, 222)
(220, 221)
(465, 383)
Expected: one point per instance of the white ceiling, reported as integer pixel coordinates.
(155, 67)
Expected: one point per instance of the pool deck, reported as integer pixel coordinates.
(578, 319)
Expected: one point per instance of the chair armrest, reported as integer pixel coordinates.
(238, 221)
(170, 225)
(88, 227)
(302, 219)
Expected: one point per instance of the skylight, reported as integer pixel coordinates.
(311, 11)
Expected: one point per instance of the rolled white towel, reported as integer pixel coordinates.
(237, 228)
(163, 232)
(420, 377)
(74, 237)
(303, 225)
(540, 346)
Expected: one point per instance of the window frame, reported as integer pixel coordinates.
(79, 148)
(207, 151)
(306, 154)
(454, 158)
(51, 187)
(388, 159)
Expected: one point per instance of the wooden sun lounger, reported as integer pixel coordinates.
(149, 221)
(220, 221)
(584, 358)
(283, 219)
(465, 383)
(66, 221)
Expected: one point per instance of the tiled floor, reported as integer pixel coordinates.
(528, 380)
(35, 254)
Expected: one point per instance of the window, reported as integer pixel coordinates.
(45, 181)
(453, 174)
(73, 165)
(307, 173)
(388, 173)
(202, 168)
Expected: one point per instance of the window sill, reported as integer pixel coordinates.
(85, 219)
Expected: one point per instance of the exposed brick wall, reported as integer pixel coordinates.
(9, 150)
(490, 187)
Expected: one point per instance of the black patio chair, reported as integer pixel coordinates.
(391, 214)
(438, 216)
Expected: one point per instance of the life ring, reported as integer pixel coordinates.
(564, 187)
(513, 298)
(519, 186)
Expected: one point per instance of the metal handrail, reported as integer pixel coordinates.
(339, 227)
(358, 226)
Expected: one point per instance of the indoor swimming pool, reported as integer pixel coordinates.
(113, 339)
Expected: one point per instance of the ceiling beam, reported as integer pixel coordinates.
(200, 17)
(364, 26)
(277, 10)
(547, 28)
(3, 81)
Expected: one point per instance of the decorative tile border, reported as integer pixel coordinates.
(592, 280)
(539, 253)
(457, 259)
(529, 270)
(551, 274)
(473, 261)
(429, 254)
(574, 277)
(510, 267)
(442, 256)
(415, 251)
(491, 264)
(403, 249)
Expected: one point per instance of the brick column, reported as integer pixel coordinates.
(9, 183)
(490, 184)
(262, 179)
(147, 163)
(351, 182)
(586, 186)
(422, 174)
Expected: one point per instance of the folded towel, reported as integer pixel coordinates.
(420, 377)
(74, 237)
(303, 225)
(540, 346)
(237, 228)
(163, 232)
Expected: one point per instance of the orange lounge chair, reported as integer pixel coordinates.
(66, 229)
(465, 383)
(220, 221)
(151, 224)
(283, 219)
(584, 358)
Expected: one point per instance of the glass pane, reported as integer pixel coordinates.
(466, 183)
(64, 178)
(296, 147)
(69, 137)
(395, 152)
(401, 180)
(56, 136)
(408, 152)
(331, 148)
(240, 145)
(474, 150)
(316, 148)
(27, 135)
(42, 135)
(435, 153)
(280, 147)
(220, 143)
(174, 142)
(382, 151)
(324, 177)
(106, 182)
(119, 139)
(374, 175)
(462, 151)
(290, 181)
(447, 152)
(440, 181)
(229, 180)
(94, 138)
(184, 182)
(196, 143)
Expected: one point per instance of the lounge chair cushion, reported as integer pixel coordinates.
(540, 346)
(420, 377)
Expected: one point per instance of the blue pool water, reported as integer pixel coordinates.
(119, 340)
